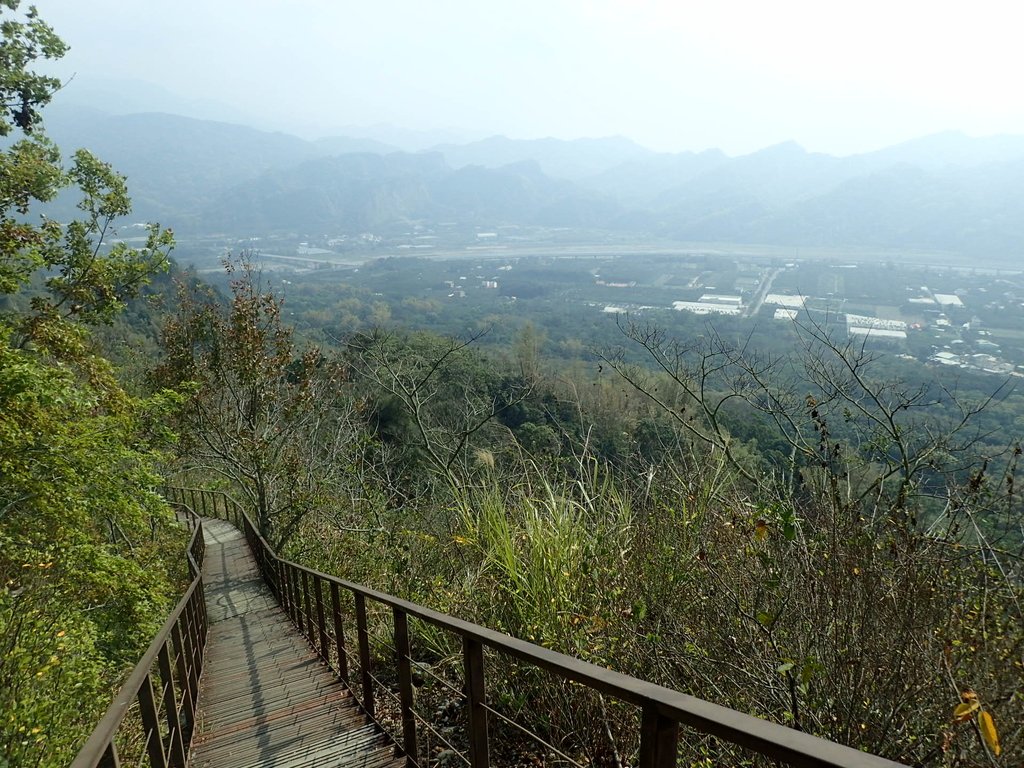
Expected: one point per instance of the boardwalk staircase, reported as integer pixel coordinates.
(254, 667)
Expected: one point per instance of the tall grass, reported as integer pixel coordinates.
(545, 560)
(846, 624)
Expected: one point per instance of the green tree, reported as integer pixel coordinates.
(270, 419)
(83, 536)
(23, 91)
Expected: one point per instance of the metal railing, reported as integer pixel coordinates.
(314, 602)
(152, 718)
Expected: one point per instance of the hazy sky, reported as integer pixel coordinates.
(835, 76)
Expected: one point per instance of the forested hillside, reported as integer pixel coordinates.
(828, 571)
(801, 535)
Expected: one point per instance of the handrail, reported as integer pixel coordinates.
(300, 591)
(167, 712)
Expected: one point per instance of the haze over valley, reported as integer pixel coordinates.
(781, 233)
(947, 193)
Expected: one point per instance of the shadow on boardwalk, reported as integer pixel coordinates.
(266, 698)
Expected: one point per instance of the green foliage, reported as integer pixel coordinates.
(802, 534)
(547, 558)
(842, 590)
(82, 545)
(22, 92)
(29, 172)
(261, 414)
(93, 281)
(86, 278)
(84, 582)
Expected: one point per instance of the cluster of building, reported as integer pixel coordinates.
(929, 310)
(725, 304)
(977, 362)
(787, 306)
(458, 288)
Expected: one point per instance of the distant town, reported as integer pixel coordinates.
(934, 309)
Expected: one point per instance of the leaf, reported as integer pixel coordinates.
(784, 668)
(964, 711)
(788, 518)
(988, 731)
(809, 670)
(761, 530)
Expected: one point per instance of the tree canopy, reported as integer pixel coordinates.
(87, 547)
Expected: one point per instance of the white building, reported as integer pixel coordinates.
(948, 300)
(714, 298)
(863, 321)
(785, 300)
(706, 308)
(877, 334)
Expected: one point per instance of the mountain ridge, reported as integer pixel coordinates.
(946, 190)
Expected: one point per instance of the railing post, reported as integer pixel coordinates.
(286, 588)
(308, 607)
(257, 551)
(296, 600)
(659, 740)
(176, 747)
(339, 632)
(321, 621)
(181, 663)
(473, 666)
(271, 573)
(202, 619)
(274, 568)
(279, 584)
(266, 566)
(402, 651)
(284, 594)
(364, 655)
(151, 724)
(191, 646)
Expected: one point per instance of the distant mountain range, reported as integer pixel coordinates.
(947, 191)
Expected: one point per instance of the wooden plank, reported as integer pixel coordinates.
(265, 698)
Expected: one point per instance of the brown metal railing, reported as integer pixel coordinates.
(313, 600)
(152, 718)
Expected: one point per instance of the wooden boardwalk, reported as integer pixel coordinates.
(266, 698)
